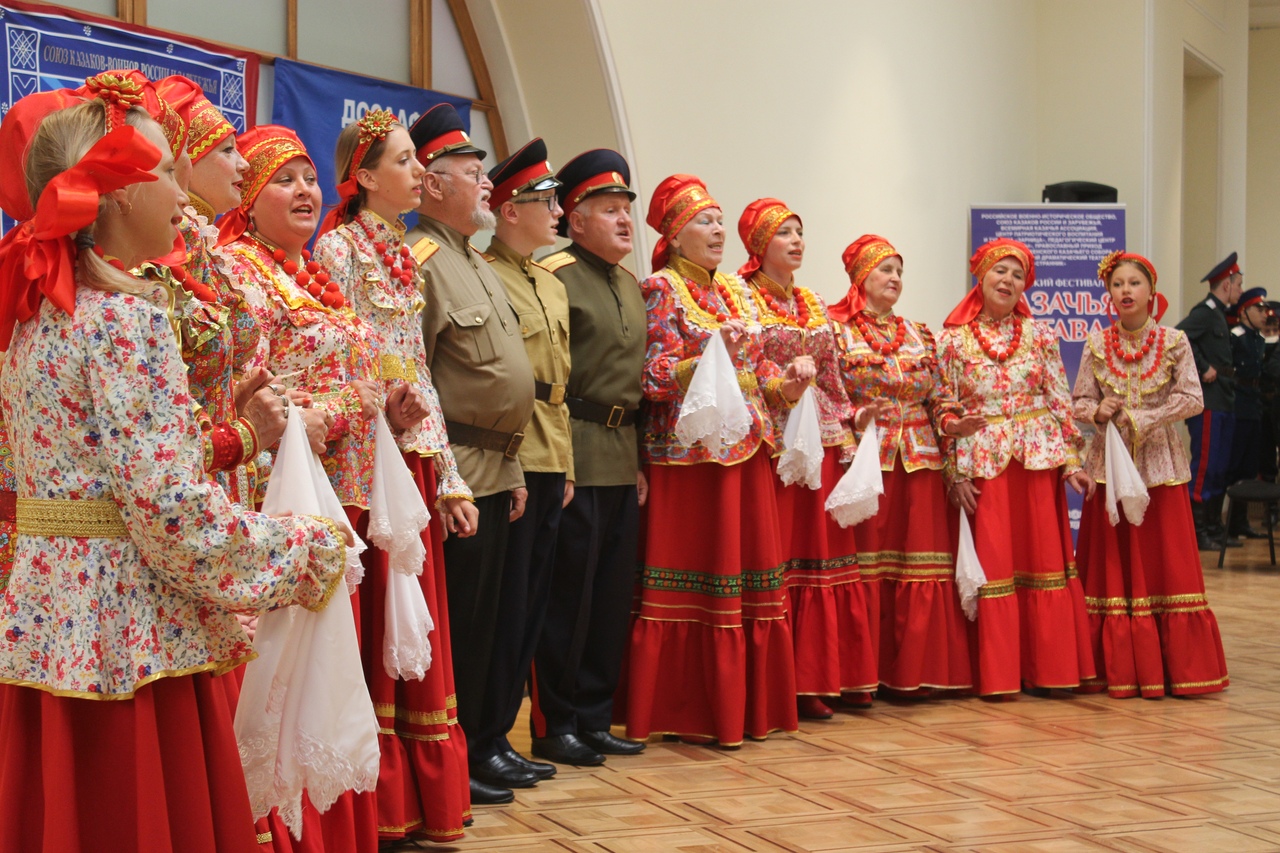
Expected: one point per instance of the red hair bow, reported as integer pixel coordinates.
(38, 259)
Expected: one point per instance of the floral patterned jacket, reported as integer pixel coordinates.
(782, 339)
(99, 411)
(1025, 399)
(909, 380)
(316, 349)
(392, 313)
(1159, 390)
(678, 330)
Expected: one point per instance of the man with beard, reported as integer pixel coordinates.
(584, 636)
(479, 366)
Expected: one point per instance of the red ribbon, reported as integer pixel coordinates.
(38, 259)
(347, 190)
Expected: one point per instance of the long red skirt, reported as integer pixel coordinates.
(826, 600)
(710, 652)
(158, 773)
(1032, 627)
(909, 545)
(424, 787)
(1151, 625)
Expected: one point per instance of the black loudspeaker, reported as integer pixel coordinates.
(1079, 191)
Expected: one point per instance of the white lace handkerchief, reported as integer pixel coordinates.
(305, 721)
(970, 577)
(713, 411)
(1124, 483)
(857, 496)
(801, 460)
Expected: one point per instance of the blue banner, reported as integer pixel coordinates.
(319, 102)
(1068, 241)
(53, 51)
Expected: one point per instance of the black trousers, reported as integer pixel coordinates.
(522, 604)
(473, 573)
(584, 638)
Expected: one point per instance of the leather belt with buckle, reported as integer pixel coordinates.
(548, 393)
(484, 439)
(611, 416)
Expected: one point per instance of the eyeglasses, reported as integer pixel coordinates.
(549, 201)
(477, 174)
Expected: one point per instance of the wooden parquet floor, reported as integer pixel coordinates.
(1067, 773)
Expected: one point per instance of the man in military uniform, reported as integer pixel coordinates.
(577, 663)
(1249, 351)
(479, 365)
(1207, 330)
(524, 202)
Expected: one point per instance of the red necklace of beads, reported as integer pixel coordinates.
(115, 262)
(399, 267)
(775, 306)
(989, 348)
(199, 289)
(1154, 338)
(312, 278)
(703, 298)
(888, 347)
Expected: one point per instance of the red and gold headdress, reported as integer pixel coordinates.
(375, 126)
(206, 125)
(986, 257)
(860, 258)
(1107, 266)
(266, 147)
(757, 225)
(675, 202)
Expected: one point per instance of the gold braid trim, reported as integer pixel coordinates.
(79, 519)
(338, 576)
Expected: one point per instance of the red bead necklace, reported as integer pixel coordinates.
(1114, 348)
(989, 347)
(703, 297)
(312, 278)
(192, 285)
(888, 347)
(115, 262)
(778, 309)
(400, 267)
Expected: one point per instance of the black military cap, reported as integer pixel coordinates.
(600, 170)
(439, 131)
(1222, 270)
(527, 170)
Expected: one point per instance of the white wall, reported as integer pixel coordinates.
(1263, 194)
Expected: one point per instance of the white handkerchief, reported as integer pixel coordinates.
(305, 720)
(969, 574)
(713, 411)
(1124, 483)
(857, 496)
(801, 460)
(397, 517)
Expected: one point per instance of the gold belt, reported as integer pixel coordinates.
(1021, 416)
(395, 367)
(80, 519)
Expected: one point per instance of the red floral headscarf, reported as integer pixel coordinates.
(860, 258)
(757, 225)
(266, 147)
(987, 256)
(675, 202)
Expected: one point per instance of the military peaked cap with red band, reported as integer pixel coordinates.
(600, 170)
(525, 171)
(439, 131)
(1222, 270)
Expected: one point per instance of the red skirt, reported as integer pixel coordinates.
(826, 600)
(1032, 627)
(1151, 626)
(156, 773)
(424, 787)
(909, 546)
(710, 652)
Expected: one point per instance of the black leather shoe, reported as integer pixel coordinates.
(1248, 533)
(489, 795)
(542, 771)
(497, 770)
(606, 744)
(566, 749)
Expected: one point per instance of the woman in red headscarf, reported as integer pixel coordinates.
(907, 550)
(827, 605)
(711, 656)
(1153, 631)
(1032, 631)
(127, 560)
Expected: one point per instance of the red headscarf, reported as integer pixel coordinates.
(205, 124)
(757, 225)
(20, 124)
(860, 258)
(1109, 263)
(374, 125)
(38, 259)
(980, 264)
(266, 147)
(675, 202)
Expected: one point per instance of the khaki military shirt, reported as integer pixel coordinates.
(472, 340)
(543, 311)
(607, 322)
